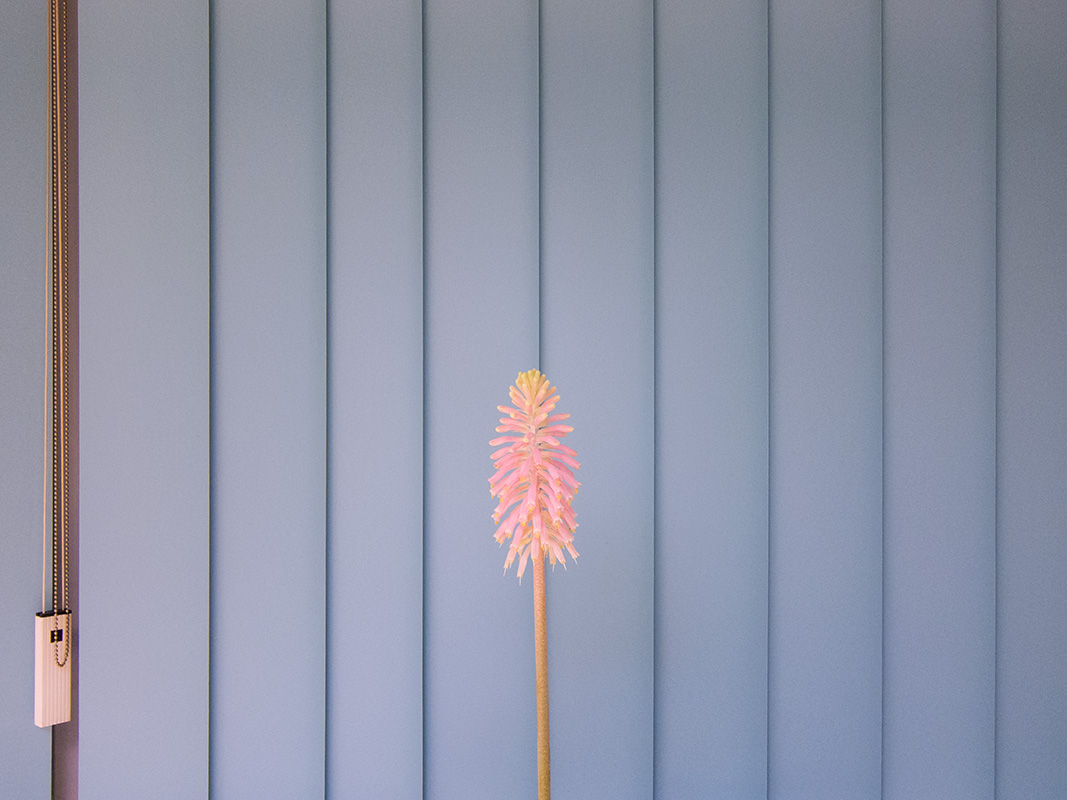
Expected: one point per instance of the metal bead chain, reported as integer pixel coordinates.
(66, 640)
(60, 335)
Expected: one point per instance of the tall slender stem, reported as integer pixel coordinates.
(544, 776)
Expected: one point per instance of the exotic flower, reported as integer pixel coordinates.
(534, 474)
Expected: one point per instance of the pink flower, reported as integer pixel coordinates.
(534, 474)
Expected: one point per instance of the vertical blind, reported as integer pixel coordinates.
(24, 94)
(797, 269)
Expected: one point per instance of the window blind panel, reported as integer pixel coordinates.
(1032, 403)
(144, 341)
(597, 337)
(825, 679)
(940, 383)
(481, 323)
(268, 399)
(711, 400)
(374, 557)
(23, 267)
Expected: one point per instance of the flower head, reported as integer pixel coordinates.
(534, 474)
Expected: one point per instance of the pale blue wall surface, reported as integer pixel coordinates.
(940, 396)
(268, 399)
(803, 292)
(1032, 402)
(144, 253)
(374, 500)
(597, 345)
(825, 579)
(711, 364)
(480, 323)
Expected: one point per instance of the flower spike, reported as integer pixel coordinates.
(534, 475)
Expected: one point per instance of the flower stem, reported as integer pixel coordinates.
(544, 780)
